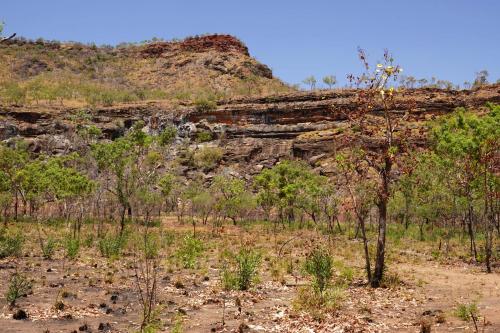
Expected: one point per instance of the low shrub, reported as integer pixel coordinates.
(10, 245)
(204, 136)
(72, 246)
(240, 271)
(467, 311)
(111, 246)
(19, 286)
(189, 251)
(319, 264)
(49, 248)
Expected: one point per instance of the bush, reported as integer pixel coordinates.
(49, 248)
(10, 245)
(167, 136)
(208, 157)
(72, 246)
(319, 264)
(204, 136)
(205, 105)
(242, 270)
(467, 312)
(111, 246)
(151, 246)
(248, 265)
(308, 299)
(19, 286)
(189, 251)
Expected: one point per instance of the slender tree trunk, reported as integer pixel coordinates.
(16, 206)
(365, 247)
(382, 223)
(470, 230)
(122, 220)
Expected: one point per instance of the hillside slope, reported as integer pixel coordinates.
(207, 68)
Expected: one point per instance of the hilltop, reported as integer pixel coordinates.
(196, 68)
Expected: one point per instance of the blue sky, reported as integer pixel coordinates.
(449, 39)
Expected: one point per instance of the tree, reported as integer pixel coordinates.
(290, 186)
(231, 198)
(481, 78)
(12, 160)
(310, 81)
(376, 94)
(330, 80)
(469, 145)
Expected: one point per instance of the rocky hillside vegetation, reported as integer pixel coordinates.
(202, 68)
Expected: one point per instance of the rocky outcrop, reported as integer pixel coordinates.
(254, 132)
(220, 43)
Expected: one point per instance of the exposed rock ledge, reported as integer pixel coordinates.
(255, 131)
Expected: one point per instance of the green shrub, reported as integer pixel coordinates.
(205, 105)
(241, 271)
(19, 286)
(167, 136)
(319, 264)
(151, 246)
(208, 157)
(49, 248)
(10, 245)
(72, 246)
(467, 312)
(248, 264)
(111, 246)
(204, 136)
(189, 251)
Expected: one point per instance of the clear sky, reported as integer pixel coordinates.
(449, 39)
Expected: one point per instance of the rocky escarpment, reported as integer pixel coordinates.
(254, 132)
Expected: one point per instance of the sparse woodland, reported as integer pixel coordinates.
(113, 237)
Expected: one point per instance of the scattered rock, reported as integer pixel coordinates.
(20, 315)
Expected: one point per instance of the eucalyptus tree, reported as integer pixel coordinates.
(376, 93)
(469, 145)
(330, 80)
(310, 81)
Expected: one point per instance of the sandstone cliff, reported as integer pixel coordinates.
(254, 132)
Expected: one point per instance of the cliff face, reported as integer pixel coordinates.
(254, 132)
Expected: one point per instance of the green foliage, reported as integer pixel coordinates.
(232, 200)
(13, 93)
(466, 134)
(167, 136)
(204, 136)
(151, 245)
(208, 158)
(111, 246)
(18, 286)
(49, 247)
(467, 311)
(310, 81)
(205, 105)
(10, 245)
(189, 251)
(248, 264)
(319, 264)
(51, 179)
(72, 246)
(330, 80)
(292, 185)
(240, 270)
